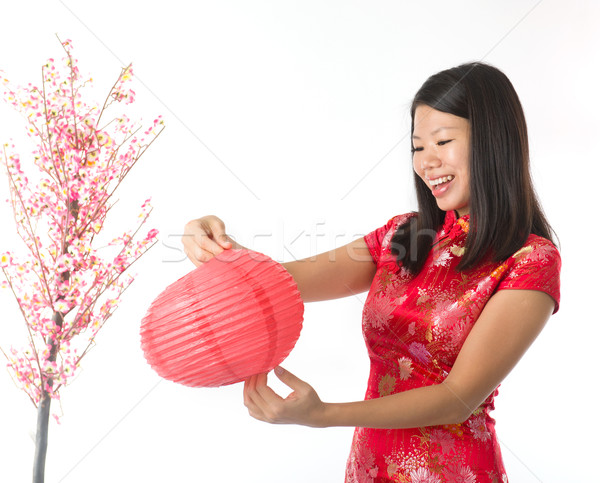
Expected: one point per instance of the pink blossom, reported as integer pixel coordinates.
(5, 260)
(66, 275)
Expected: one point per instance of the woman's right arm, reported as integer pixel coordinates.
(347, 270)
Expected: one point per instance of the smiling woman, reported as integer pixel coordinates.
(441, 157)
(458, 293)
(473, 128)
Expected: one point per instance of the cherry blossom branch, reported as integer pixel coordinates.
(14, 190)
(21, 308)
(110, 93)
(15, 382)
(83, 160)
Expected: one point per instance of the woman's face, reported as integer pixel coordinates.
(441, 144)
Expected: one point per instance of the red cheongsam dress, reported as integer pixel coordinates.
(414, 328)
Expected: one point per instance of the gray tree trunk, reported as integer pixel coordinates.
(41, 439)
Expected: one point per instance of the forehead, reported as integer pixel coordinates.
(429, 121)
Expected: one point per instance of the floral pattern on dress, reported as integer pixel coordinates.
(414, 327)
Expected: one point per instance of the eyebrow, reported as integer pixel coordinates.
(438, 130)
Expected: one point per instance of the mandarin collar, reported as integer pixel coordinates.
(455, 225)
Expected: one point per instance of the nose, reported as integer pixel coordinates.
(429, 160)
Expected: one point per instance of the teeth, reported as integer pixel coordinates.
(443, 179)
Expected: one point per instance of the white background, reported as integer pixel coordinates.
(289, 120)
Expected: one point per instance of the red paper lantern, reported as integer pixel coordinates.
(237, 315)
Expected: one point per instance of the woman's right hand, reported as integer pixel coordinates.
(205, 238)
(347, 270)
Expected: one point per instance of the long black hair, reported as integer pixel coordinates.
(504, 209)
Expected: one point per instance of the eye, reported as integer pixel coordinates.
(414, 150)
(441, 143)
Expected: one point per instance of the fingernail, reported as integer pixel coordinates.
(279, 370)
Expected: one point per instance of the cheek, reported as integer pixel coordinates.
(420, 175)
(463, 161)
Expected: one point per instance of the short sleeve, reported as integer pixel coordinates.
(378, 241)
(536, 266)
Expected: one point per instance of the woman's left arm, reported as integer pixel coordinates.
(507, 326)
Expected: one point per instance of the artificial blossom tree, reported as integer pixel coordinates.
(69, 277)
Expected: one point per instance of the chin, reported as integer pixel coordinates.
(446, 206)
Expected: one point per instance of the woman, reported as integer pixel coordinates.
(458, 292)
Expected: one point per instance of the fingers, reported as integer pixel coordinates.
(204, 239)
(217, 228)
(266, 405)
(260, 407)
(289, 379)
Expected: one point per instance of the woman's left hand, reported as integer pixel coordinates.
(302, 406)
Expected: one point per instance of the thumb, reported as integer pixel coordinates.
(225, 241)
(216, 229)
(288, 378)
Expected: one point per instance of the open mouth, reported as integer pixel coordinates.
(440, 182)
